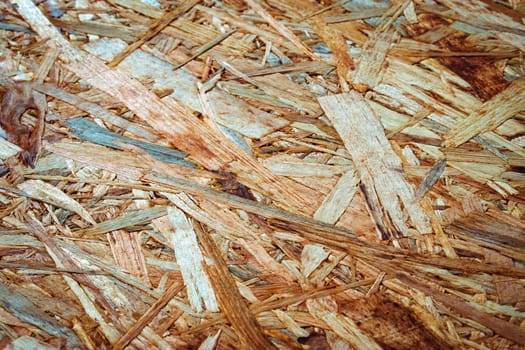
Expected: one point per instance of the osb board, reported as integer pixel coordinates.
(275, 174)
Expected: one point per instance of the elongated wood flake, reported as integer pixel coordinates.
(8, 149)
(128, 254)
(370, 68)
(47, 193)
(210, 342)
(336, 202)
(286, 165)
(390, 198)
(431, 178)
(487, 14)
(489, 115)
(190, 260)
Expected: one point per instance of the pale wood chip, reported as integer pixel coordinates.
(50, 194)
(26, 342)
(285, 165)
(371, 64)
(210, 342)
(139, 6)
(8, 149)
(489, 115)
(155, 28)
(336, 202)
(61, 259)
(311, 257)
(379, 168)
(189, 257)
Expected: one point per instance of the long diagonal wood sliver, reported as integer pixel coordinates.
(204, 143)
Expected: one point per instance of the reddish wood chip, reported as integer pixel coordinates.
(16, 100)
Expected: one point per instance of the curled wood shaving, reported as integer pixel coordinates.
(16, 100)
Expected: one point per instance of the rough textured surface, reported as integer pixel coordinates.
(262, 174)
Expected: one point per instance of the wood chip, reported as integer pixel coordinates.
(490, 114)
(379, 168)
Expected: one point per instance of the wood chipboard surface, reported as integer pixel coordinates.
(262, 174)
